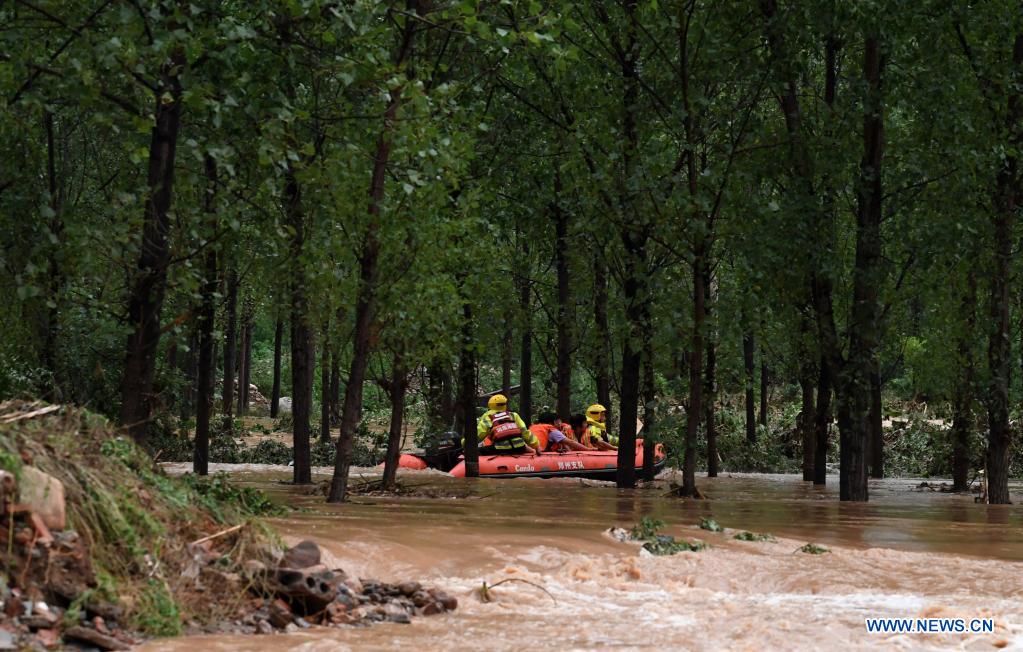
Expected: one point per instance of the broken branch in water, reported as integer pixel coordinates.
(484, 590)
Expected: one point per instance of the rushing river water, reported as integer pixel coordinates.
(907, 553)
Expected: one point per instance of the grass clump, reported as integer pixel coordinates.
(655, 543)
(752, 536)
(707, 523)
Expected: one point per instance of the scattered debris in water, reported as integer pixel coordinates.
(485, 592)
(813, 549)
(753, 536)
(647, 532)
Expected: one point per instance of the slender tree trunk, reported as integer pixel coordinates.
(245, 356)
(762, 418)
(806, 421)
(603, 331)
(170, 400)
(526, 348)
(301, 336)
(634, 235)
(467, 393)
(710, 380)
(999, 346)
(366, 299)
(822, 424)
(694, 413)
(191, 371)
(748, 351)
(149, 284)
(230, 347)
(506, 358)
(275, 394)
(335, 387)
(962, 398)
(650, 423)
(876, 424)
(206, 322)
(52, 391)
(324, 386)
(398, 386)
(564, 310)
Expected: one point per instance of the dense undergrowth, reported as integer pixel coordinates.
(135, 521)
(169, 444)
(918, 440)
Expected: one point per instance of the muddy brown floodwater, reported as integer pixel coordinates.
(907, 553)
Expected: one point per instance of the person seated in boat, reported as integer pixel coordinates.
(503, 432)
(595, 432)
(550, 433)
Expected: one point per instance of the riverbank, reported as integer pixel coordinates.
(103, 548)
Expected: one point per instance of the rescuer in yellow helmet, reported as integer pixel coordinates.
(503, 431)
(596, 434)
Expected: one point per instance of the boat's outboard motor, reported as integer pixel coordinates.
(444, 455)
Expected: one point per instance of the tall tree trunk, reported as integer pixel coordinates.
(603, 331)
(710, 380)
(962, 397)
(822, 424)
(324, 385)
(762, 418)
(634, 235)
(230, 347)
(748, 351)
(397, 387)
(467, 393)
(694, 413)
(149, 284)
(854, 384)
(53, 389)
(876, 424)
(301, 335)
(275, 394)
(526, 347)
(999, 346)
(207, 315)
(366, 299)
(563, 374)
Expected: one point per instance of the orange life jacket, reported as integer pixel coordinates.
(503, 426)
(542, 432)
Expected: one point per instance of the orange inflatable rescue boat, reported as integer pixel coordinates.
(596, 465)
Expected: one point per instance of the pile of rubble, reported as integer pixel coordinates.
(47, 569)
(300, 591)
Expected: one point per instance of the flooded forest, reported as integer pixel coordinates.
(632, 324)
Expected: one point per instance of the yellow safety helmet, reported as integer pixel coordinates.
(498, 402)
(595, 410)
